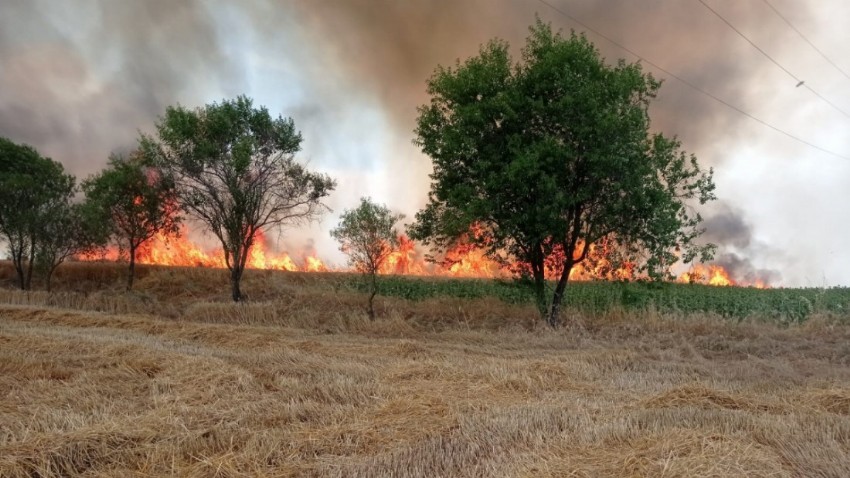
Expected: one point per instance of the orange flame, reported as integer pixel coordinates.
(181, 251)
(714, 275)
(403, 260)
(463, 260)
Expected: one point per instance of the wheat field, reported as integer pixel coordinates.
(170, 380)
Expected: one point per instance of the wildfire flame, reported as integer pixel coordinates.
(463, 260)
(711, 275)
(168, 250)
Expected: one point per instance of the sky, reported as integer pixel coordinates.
(79, 79)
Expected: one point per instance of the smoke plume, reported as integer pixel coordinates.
(80, 79)
(733, 235)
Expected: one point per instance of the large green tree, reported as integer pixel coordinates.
(367, 234)
(550, 154)
(135, 200)
(235, 171)
(32, 189)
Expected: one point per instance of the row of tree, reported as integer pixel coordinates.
(44, 222)
(38, 219)
(542, 157)
(229, 166)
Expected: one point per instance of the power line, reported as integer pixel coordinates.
(691, 85)
(822, 54)
(792, 75)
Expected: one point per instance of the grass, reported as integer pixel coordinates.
(170, 379)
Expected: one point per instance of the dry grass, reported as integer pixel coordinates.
(169, 380)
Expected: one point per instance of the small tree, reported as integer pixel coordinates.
(65, 232)
(32, 188)
(135, 200)
(235, 171)
(367, 235)
(550, 155)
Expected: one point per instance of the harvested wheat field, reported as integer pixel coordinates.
(167, 381)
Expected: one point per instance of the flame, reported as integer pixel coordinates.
(463, 260)
(466, 259)
(713, 275)
(403, 260)
(314, 264)
(166, 250)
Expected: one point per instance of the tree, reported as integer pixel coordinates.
(32, 188)
(136, 200)
(65, 231)
(368, 236)
(235, 171)
(551, 154)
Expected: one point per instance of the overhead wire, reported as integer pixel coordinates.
(691, 85)
(814, 47)
(799, 81)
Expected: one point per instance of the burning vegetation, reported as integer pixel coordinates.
(463, 261)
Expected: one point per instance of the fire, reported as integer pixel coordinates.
(168, 250)
(403, 260)
(711, 275)
(314, 264)
(463, 260)
(466, 260)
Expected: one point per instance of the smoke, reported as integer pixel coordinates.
(733, 235)
(391, 47)
(80, 79)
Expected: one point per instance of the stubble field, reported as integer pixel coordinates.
(172, 380)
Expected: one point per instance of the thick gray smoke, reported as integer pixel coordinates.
(391, 47)
(734, 238)
(79, 79)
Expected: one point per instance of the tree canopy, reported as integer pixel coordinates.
(32, 190)
(550, 154)
(367, 234)
(235, 171)
(135, 201)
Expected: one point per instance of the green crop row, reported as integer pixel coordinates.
(783, 305)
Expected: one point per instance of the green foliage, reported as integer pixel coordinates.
(551, 154)
(368, 236)
(34, 191)
(133, 201)
(235, 172)
(66, 231)
(787, 306)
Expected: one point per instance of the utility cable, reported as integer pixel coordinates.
(792, 75)
(821, 53)
(689, 84)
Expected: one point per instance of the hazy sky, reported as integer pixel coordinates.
(80, 78)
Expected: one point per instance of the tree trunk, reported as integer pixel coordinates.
(31, 260)
(538, 273)
(132, 272)
(49, 276)
(554, 319)
(540, 292)
(17, 251)
(18, 260)
(235, 278)
(372, 295)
